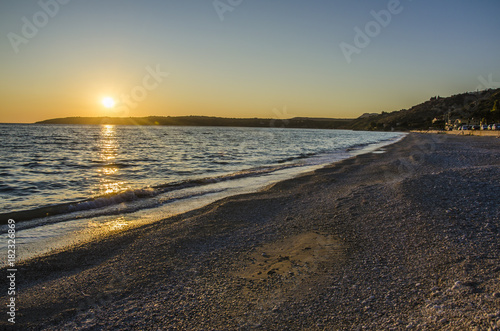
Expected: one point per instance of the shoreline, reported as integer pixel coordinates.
(61, 231)
(81, 196)
(482, 133)
(405, 237)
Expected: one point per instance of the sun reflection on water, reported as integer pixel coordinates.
(108, 152)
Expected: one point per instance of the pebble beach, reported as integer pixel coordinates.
(407, 237)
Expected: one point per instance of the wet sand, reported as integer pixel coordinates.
(403, 238)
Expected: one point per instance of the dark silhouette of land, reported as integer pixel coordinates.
(437, 113)
(298, 122)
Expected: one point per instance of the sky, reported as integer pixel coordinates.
(241, 58)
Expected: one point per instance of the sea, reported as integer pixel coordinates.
(67, 184)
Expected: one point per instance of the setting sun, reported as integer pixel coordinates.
(108, 102)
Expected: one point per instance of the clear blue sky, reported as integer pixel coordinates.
(264, 59)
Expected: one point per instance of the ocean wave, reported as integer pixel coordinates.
(132, 195)
(6, 188)
(298, 157)
(62, 180)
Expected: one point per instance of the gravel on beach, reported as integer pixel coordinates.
(405, 238)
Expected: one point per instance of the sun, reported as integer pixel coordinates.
(108, 102)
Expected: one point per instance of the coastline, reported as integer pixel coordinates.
(482, 133)
(406, 237)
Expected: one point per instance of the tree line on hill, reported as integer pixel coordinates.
(481, 107)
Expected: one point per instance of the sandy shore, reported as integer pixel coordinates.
(398, 240)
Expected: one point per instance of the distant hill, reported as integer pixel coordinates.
(471, 107)
(299, 122)
(466, 108)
